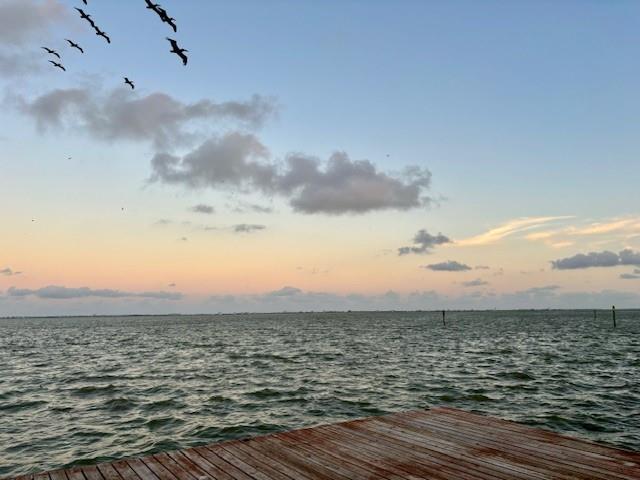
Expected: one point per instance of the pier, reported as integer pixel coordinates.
(439, 443)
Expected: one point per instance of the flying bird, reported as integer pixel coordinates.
(55, 64)
(130, 83)
(52, 52)
(86, 16)
(152, 6)
(100, 33)
(171, 21)
(74, 45)
(178, 51)
(164, 16)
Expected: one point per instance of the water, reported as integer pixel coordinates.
(83, 390)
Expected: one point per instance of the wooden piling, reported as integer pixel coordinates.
(443, 321)
(613, 312)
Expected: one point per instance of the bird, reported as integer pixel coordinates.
(171, 21)
(178, 51)
(55, 64)
(130, 83)
(100, 33)
(52, 52)
(74, 45)
(152, 6)
(86, 16)
(164, 16)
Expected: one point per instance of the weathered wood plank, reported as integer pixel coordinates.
(172, 466)
(432, 457)
(158, 470)
(545, 435)
(189, 456)
(108, 472)
(528, 450)
(125, 471)
(91, 473)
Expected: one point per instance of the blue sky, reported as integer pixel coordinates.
(518, 109)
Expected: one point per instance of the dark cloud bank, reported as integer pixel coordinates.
(598, 259)
(236, 159)
(158, 118)
(339, 185)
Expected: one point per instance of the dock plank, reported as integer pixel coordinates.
(552, 457)
(440, 444)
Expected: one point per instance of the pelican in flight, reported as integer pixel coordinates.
(51, 51)
(100, 33)
(85, 16)
(178, 51)
(130, 83)
(74, 45)
(152, 6)
(55, 64)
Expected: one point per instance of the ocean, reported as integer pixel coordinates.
(84, 390)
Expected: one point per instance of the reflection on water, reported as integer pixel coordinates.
(82, 390)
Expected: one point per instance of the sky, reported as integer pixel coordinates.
(313, 155)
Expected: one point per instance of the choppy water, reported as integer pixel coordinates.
(83, 390)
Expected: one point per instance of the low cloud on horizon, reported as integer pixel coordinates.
(57, 300)
(58, 292)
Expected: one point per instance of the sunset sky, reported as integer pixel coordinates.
(349, 154)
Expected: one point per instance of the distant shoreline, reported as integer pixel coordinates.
(437, 311)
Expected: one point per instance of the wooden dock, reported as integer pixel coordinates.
(440, 443)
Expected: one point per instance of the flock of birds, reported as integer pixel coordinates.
(155, 7)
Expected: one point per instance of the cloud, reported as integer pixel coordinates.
(285, 292)
(615, 228)
(247, 228)
(629, 276)
(510, 228)
(7, 272)
(24, 20)
(424, 242)
(478, 282)
(202, 208)
(17, 65)
(597, 259)
(63, 293)
(125, 115)
(448, 266)
(243, 207)
(482, 267)
(346, 186)
(540, 291)
(338, 186)
(636, 271)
